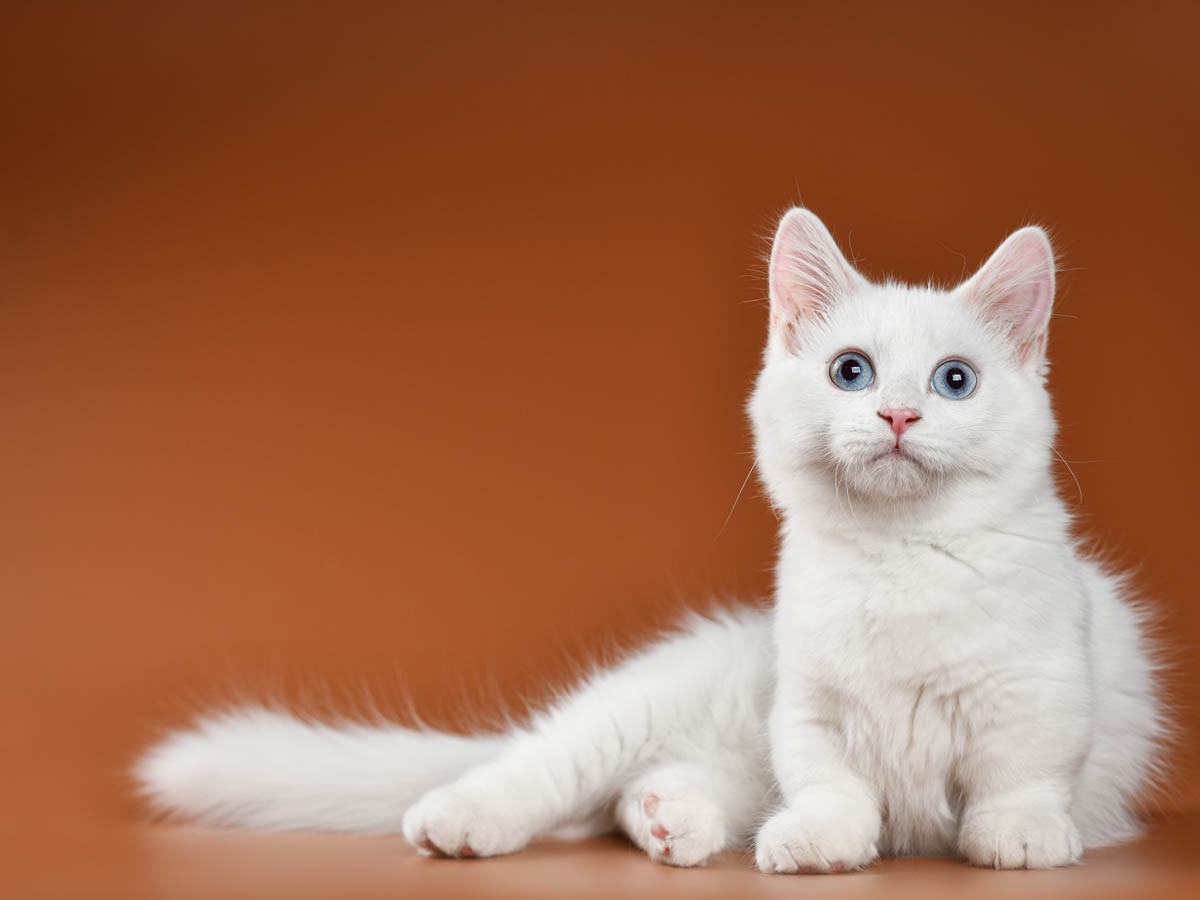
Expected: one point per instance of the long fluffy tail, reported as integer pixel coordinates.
(254, 768)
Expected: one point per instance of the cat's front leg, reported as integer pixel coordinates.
(1028, 828)
(1016, 777)
(828, 828)
(830, 821)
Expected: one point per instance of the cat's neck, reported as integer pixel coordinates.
(1028, 503)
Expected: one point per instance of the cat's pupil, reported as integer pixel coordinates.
(851, 370)
(956, 378)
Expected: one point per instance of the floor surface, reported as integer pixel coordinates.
(166, 862)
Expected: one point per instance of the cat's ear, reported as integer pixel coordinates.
(1015, 291)
(808, 272)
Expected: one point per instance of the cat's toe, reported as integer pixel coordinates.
(451, 821)
(1020, 838)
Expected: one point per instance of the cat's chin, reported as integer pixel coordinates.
(890, 475)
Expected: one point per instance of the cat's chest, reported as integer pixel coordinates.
(907, 650)
(892, 649)
(914, 616)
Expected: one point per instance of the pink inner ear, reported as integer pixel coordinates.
(1015, 290)
(808, 271)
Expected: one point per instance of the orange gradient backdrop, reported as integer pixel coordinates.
(403, 353)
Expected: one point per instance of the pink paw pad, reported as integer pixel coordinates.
(658, 831)
(650, 804)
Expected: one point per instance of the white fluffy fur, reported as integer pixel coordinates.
(943, 671)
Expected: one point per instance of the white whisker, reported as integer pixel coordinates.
(1078, 486)
(729, 515)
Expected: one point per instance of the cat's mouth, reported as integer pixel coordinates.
(883, 468)
(894, 471)
(898, 454)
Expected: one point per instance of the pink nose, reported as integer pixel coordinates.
(899, 419)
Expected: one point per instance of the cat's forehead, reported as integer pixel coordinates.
(905, 323)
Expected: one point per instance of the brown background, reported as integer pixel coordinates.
(354, 351)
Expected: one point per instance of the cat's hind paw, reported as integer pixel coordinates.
(675, 824)
(462, 821)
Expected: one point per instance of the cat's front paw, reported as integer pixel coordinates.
(822, 831)
(1015, 837)
(464, 821)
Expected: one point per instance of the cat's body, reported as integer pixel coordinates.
(943, 671)
(913, 678)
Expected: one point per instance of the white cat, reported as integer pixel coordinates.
(943, 672)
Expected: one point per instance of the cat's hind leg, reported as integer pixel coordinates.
(703, 686)
(682, 814)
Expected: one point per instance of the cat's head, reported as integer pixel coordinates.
(893, 394)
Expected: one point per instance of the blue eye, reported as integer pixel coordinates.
(852, 371)
(954, 380)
